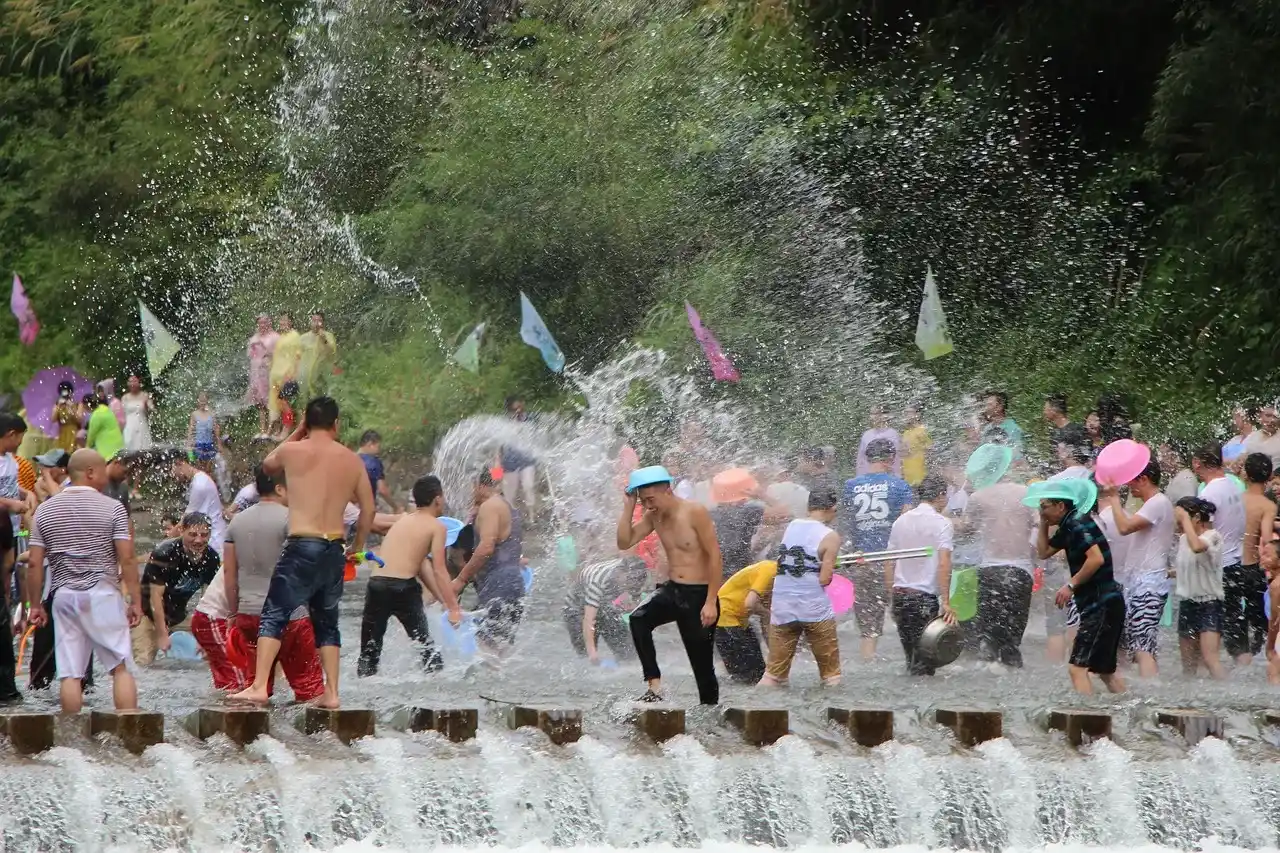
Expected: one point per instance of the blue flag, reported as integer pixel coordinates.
(535, 333)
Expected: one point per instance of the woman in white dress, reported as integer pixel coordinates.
(137, 417)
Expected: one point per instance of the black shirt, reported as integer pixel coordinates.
(118, 491)
(182, 574)
(1075, 536)
(736, 525)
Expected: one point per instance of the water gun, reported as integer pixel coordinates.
(349, 572)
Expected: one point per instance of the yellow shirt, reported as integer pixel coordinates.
(284, 361)
(915, 442)
(757, 578)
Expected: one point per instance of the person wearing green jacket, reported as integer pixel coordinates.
(104, 433)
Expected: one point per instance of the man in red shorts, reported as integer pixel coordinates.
(234, 600)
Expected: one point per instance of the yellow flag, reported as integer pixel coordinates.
(932, 336)
(161, 347)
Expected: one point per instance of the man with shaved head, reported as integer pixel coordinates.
(84, 537)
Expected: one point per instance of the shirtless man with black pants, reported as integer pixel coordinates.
(690, 597)
(413, 557)
(322, 476)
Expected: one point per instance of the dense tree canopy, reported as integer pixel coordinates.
(1093, 181)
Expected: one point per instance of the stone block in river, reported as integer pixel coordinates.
(867, 726)
(759, 726)
(29, 732)
(137, 729)
(561, 725)
(1079, 725)
(457, 724)
(347, 723)
(658, 721)
(1195, 726)
(971, 726)
(242, 725)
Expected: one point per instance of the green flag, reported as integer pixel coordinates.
(932, 336)
(468, 355)
(161, 347)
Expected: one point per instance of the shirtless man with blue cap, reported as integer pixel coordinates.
(689, 597)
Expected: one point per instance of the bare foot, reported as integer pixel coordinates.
(326, 700)
(251, 695)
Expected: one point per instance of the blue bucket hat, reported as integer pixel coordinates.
(651, 476)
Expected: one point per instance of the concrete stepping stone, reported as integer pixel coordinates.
(659, 721)
(137, 729)
(1079, 725)
(456, 724)
(29, 732)
(243, 725)
(1193, 725)
(347, 723)
(971, 726)
(759, 726)
(560, 725)
(867, 726)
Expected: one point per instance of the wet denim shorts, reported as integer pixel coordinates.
(309, 572)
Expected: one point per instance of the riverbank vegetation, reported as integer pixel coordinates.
(1092, 182)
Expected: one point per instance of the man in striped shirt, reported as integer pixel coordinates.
(84, 536)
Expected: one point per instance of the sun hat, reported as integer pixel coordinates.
(1081, 491)
(651, 476)
(733, 485)
(988, 464)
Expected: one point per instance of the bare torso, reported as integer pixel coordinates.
(406, 545)
(687, 557)
(323, 476)
(1258, 512)
(494, 519)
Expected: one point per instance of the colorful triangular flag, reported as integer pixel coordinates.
(932, 336)
(535, 333)
(28, 325)
(722, 369)
(161, 347)
(468, 355)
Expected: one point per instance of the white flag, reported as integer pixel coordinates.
(161, 347)
(932, 336)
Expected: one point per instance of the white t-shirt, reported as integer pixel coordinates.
(1200, 575)
(203, 497)
(1119, 545)
(1147, 560)
(1259, 442)
(919, 527)
(1229, 519)
(9, 486)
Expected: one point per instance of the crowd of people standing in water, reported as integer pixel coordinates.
(700, 541)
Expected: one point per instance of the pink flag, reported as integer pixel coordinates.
(722, 369)
(28, 325)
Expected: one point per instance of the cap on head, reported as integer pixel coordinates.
(56, 458)
(651, 476)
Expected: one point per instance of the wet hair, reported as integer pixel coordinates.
(1257, 468)
(813, 454)
(169, 518)
(371, 436)
(426, 490)
(1178, 448)
(486, 479)
(64, 385)
(196, 519)
(1250, 411)
(322, 413)
(995, 435)
(824, 495)
(999, 395)
(881, 450)
(932, 487)
(9, 422)
(1209, 455)
(90, 400)
(1198, 508)
(1057, 401)
(1152, 472)
(1076, 438)
(265, 483)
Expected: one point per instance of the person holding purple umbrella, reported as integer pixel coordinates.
(66, 415)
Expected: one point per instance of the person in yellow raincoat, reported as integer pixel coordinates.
(319, 352)
(284, 368)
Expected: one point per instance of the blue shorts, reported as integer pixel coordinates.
(309, 572)
(205, 451)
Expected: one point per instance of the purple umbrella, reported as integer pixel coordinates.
(42, 393)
